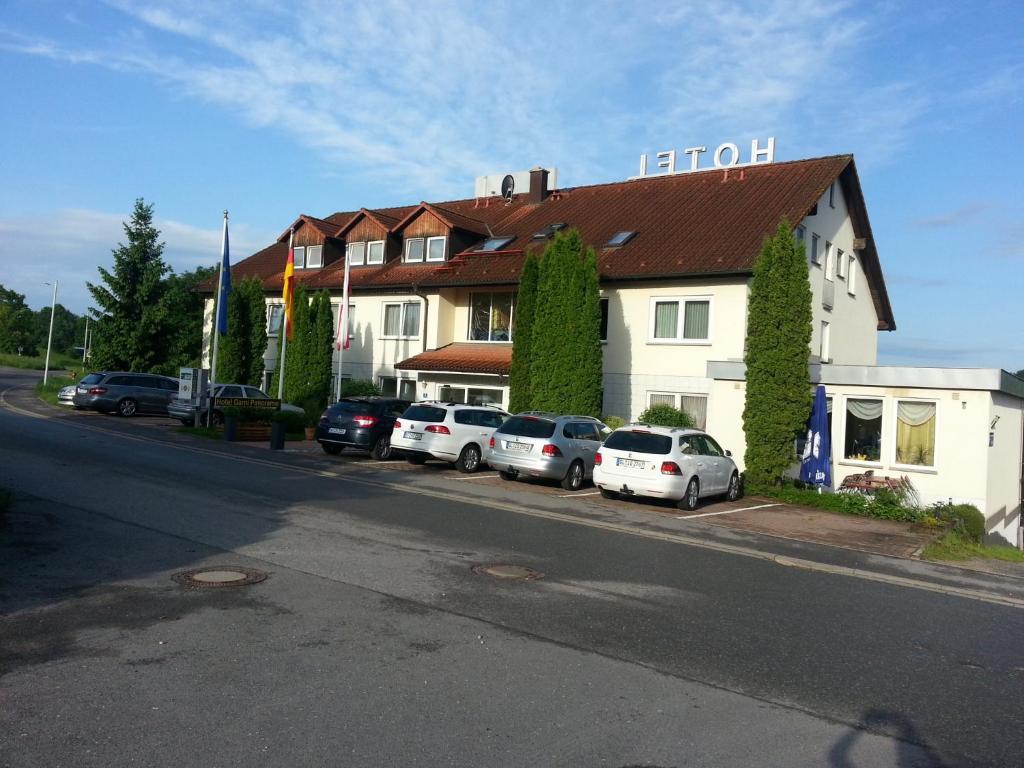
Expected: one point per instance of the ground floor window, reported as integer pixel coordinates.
(915, 433)
(490, 317)
(390, 386)
(469, 395)
(693, 404)
(863, 439)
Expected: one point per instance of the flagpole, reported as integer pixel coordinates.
(342, 337)
(284, 327)
(216, 316)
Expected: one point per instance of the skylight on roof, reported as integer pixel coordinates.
(620, 238)
(495, 243)
(548, 231)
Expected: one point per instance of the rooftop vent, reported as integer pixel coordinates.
(620, 238)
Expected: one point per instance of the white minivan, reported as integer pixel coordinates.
(450, 432)
(684, 465)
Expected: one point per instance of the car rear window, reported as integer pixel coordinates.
(351, 406)
(522, 426)
(424, 413)
(92, 378)
(639, 442)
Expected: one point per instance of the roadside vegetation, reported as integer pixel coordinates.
(48, 392)
(956, 547)
(58, 361)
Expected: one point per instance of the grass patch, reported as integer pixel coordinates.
(954, 546)
(58, 361)
(209, 432)
(48, 392)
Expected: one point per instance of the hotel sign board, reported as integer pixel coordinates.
(726, 155)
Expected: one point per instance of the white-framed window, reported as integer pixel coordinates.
(414, 249)
(275, 314)
(335, 309)
(490, 316)
(830, 262)
(851, 276)
(436, 248)
(915, 433)
(696, 405)
(356, 253)
(314, 256)
(680, 320)
(391, 386)
(469, 395)
(604, 318)
(402, 320)
(815, 256)
(841, 263)
(862, 438)
(375, 252)
(826, 342)
(299, 256)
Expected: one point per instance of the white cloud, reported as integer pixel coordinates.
(79, 240)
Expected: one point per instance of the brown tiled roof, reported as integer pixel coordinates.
(462, 357)
(328, 228)
(388, 222)
(688, 225)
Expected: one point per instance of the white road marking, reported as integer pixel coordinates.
(574, 495)
(724, 512)
(473, 477)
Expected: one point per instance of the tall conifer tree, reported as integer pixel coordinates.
(520, 395)
(778, 398)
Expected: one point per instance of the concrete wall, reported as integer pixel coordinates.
(853, 321)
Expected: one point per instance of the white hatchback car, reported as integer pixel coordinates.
(450, 432)
(685, 465)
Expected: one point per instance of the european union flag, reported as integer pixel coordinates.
(225, 284)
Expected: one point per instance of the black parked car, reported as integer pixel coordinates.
(360, 422)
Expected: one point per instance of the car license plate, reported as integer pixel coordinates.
(523, 447)
(631, 463)
(336, 430)
(82, 390)
(412, 435)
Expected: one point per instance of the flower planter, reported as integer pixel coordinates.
(311, 433)
(252, 432)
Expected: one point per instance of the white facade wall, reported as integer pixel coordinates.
(853, 322)
(1005, 468)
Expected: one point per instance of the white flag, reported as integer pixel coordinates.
(342, 340)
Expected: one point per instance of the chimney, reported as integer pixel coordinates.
(538, 184)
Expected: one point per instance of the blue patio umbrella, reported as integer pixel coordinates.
(816, 463)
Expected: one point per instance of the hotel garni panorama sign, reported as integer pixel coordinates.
(727, 155)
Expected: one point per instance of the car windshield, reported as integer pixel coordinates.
(527, 426)
(424, 413)
(92, 378)
(635, 441)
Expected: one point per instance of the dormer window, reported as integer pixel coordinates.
(620, 238)
(414, 249)
(495, 243)
(314, 256)
(548, 231)
(356, 254)
(299, 256)
(375, 252)
(435, 248)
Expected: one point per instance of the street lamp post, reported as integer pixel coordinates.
(49, 338)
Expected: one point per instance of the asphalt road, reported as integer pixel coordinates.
(372, 642)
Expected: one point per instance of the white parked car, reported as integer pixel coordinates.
(684, 465)
(450, 432)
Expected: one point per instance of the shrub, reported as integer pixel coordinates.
(250, 415)
(313, 408)
(666, 416)
(358, 388)
(294, 422)
(885, 504)
(614, 422)
(966, 520)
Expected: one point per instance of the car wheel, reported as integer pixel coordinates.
(506, 475)
(381, 448)
(469, 459)
(417, 459)
(606, 494)
(331, 449)
(735, 491)
(692, 496)
(573, 479)
(217, 419)
(127, 407)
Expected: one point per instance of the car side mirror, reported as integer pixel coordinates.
(728, 453)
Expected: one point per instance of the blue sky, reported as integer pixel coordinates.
(332, 106)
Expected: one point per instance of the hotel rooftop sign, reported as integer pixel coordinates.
(727, 155)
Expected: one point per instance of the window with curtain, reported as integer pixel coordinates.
(411, 319)
(680, 319)
(657, 399)
(863, 439)
(490, 316)
(696, 406)
(392, 319)
(915, 433)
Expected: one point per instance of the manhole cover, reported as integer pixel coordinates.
(219, 576)
(508, 572)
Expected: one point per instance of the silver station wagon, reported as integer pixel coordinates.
(546, 445)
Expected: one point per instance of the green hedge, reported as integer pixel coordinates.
(358, 388)
(251, 415)
(294, 422)
(613, 422)
(965, 519)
